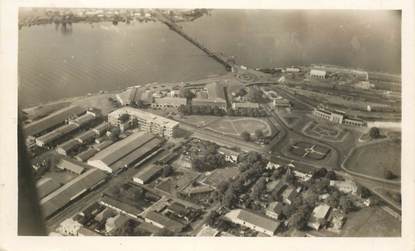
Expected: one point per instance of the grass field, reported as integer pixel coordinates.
(371, 222)
(234, 126)
(374, 158)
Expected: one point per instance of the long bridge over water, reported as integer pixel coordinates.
(219, 57)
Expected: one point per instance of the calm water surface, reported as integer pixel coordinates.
(54, 63)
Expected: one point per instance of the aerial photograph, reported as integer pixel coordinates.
(209, 122)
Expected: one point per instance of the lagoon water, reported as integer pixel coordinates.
(57, 63)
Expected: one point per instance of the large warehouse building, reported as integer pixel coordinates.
(126, 152)
(70, 191)
(52, 121)
(147, 121)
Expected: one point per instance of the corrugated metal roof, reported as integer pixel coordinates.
(52, 120)
(68, 145)
(84, 119)
(148, 173)
(86, 135)
(121, 148)
(70, 166)
(85, 155)
(258, 220)
(60, 197)
(104, 144)
(45, 186)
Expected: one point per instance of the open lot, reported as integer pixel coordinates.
(219, 175)
(308, 150)
(324, 131)
(371, 222)
(234, 126)
(375, 158)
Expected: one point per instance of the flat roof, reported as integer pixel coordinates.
(123, 147)
(321, 211)
(63, 195)
(170, 100)
(52, 120)
(149, 117)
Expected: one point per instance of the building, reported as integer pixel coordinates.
(318, 216)
(254, 221)
(52, 121)
(120, 206)
(207, 231)
(292, 69)
(148, 174)
(71, 166)
(113, 223)
(85, 155)
(289, 195)
(86, 137)
(69, 227)
(281, 102)
(52, 137)
(346, 186)
(168, 102)
(135, 95)
(314, 73)
(147, 121)
(218, 102)
(101, 128)
(230, 155)
(274, 210)
(84, 119)
(162, 221)
(83, 231)
(45, 186)
(104, 144)
(245, 105)
(68, 148)
(54, 201)
(337, 117)
(125, 152)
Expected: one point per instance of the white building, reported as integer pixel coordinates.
(318, 216)
(147, 121)
(254, 221)
(69, 227)
(318, 74)
(346, 186)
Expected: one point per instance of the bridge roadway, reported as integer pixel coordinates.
(179, 30)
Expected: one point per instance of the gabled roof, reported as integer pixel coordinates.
(164, 221)
(52, 120)
(253, 218)
(45, 186)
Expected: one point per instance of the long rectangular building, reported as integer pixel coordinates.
(52, 121)
(147, 121)
(125, 152)
(70, 191)
(51, 137)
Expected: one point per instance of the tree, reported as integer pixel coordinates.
(345, 203)
(245, 136)
(333, 199)
(229, 198)
(374, 132)
(287, 211)
(319, 173)
(115, 132)
(388, 174)
(211, 219)
(259, 134)
(187, 93)
(311, 200)
(363, 192)
(222, 186)
(167, 170)
(298, 220)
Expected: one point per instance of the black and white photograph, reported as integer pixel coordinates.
(210, 122)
